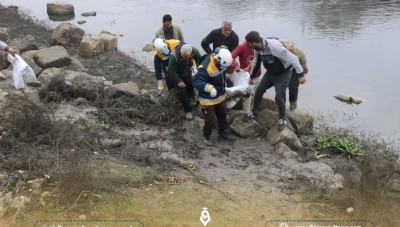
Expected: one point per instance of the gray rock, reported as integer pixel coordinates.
(284, 151)
(286, 136)
(318, 174)
(67, 33)
(268, 103)
(88, 14)
(91, 46)
(24, 43)
(246, 129)
(110, 40)
(268, 119)
(81, 21)
(75, 65)
(60, 8)
(56, 56)
(117, 90)
(302, 121)
(82, 84)
(36, 69)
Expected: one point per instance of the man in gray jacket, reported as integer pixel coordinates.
(278, 62)
(169, 30)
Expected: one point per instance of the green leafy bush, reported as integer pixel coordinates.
(342, 144)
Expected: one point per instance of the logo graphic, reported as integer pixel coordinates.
(283, 225)
(205, 217)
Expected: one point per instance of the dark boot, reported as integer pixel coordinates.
(226, 135)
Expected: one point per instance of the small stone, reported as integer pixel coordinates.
(45, 194)
(87, 14)
(108, 83)
(171, 192)
(81, 21)
(82, 217)
(350, 209)
(35, 183)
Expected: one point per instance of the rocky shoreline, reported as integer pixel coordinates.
(103, 105)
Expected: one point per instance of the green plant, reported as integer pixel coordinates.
(342, 144)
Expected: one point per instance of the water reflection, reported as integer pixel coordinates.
(335, 19)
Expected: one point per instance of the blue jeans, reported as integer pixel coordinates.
(280, 82)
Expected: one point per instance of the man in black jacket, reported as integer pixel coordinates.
(221, 36)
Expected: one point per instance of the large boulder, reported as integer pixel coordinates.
(56, 56)
(319, 175)
(66, 33)
(286, 136)
(75, 65)
(24, 43)
(302, 121)
(268, 119)
(246, 129)
(128, 89)
(91, 46)
(60, 8)
(79, 84)
(110, 40)
(268, 103)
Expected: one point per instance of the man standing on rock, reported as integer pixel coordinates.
(210, 81)
(180, 65)
(221, 36)
(5, 47)
(168, 30)
(294, 81)
(279, 63)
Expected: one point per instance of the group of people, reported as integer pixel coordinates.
(180, 66)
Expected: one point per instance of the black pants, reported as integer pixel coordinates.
(280, 82)
(294, 87)
(186, 94)
(213, 115)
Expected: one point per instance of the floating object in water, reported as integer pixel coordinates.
(347, 99)
(148, 48)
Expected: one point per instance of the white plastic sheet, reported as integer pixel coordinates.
(22, 72)
(240, 88)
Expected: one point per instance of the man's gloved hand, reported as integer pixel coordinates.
(213, 92)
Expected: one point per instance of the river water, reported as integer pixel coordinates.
(352, 46)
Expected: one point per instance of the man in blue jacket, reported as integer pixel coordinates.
(279, 63)
(210, 81)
